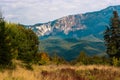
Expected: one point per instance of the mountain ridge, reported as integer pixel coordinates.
(69, 35)
(72, 23)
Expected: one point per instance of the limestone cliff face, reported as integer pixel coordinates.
(65, 25)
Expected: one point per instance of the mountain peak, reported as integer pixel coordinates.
(115, 7)
(112, 8)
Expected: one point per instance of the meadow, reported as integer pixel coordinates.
(61, 72)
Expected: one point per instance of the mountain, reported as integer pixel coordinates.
(71, 34)
(78, 25)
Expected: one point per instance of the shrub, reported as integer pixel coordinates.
(115, 61)
(42, 58)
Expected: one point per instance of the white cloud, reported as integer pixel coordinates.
(34, 11)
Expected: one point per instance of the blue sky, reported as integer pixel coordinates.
(39, 11)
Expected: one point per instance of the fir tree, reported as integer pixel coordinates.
(5, 55)
(112, 36)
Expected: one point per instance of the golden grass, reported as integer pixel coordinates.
(21, 73)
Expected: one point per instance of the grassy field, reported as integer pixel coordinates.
(62, 72)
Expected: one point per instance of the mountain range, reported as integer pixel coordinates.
(69, 35)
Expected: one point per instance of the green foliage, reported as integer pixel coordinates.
(42, 58)
(115, 61)
(16, 42)
(99, 60)
(55, 59)
(58, 60)
(112, 36)
(11, 30)
(82, 58)
(5, 45)
(24, 42)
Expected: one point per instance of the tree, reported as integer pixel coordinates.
(17, 42)
(24, 42)
(42, 58)
(5, 44)
(31, 45)
(112, 36)
(58, 60)
(82, 58)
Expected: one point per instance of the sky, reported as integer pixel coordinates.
(41, 11)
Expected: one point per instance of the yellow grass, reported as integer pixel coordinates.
(21, 73)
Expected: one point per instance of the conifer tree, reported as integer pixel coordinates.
(5, 55)
(112, 36)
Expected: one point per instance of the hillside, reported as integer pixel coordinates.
(70, 48)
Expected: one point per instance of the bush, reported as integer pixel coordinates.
(58, 60)
(115, 61)
(82, 58)
(42, 58)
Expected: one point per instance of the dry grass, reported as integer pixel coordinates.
(62, 72)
